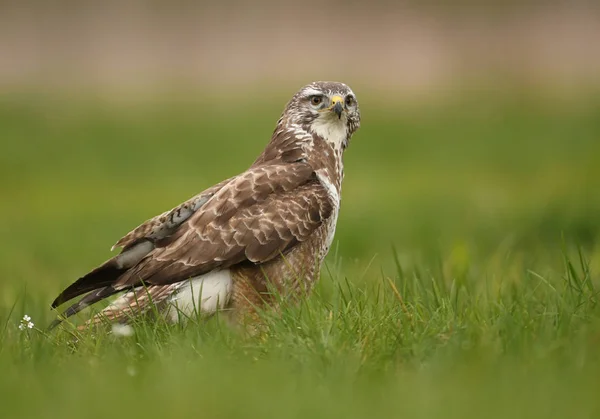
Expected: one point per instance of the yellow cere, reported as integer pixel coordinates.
(335, 100)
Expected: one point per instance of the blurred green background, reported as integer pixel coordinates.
(470, 177)
(462, 281)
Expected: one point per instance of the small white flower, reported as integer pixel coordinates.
(26, 323)
(122, 330)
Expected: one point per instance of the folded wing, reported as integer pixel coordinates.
(253, 218)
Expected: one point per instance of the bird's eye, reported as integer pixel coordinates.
(349, 100)
(316, 100)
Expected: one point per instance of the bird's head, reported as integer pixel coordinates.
(328, 109)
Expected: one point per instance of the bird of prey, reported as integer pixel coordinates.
(228, 247)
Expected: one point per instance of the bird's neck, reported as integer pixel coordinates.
(299, 143)
(332, 130)
(326, 158)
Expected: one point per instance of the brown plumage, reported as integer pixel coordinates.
(270, 226)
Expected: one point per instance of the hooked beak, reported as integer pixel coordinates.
(337, 105)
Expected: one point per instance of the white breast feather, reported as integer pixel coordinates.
(334, 195)
(204, 295)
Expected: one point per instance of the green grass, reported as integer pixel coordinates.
(463, 282)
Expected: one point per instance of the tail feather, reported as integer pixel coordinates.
(106, 274)
(102, 276)
(91, 298)
(99, 282)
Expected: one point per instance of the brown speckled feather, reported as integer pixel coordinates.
(163, 225)
(254, 218)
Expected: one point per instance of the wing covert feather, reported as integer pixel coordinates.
(164, 224)
(244, 221)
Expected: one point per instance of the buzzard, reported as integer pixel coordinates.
(229, 246)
